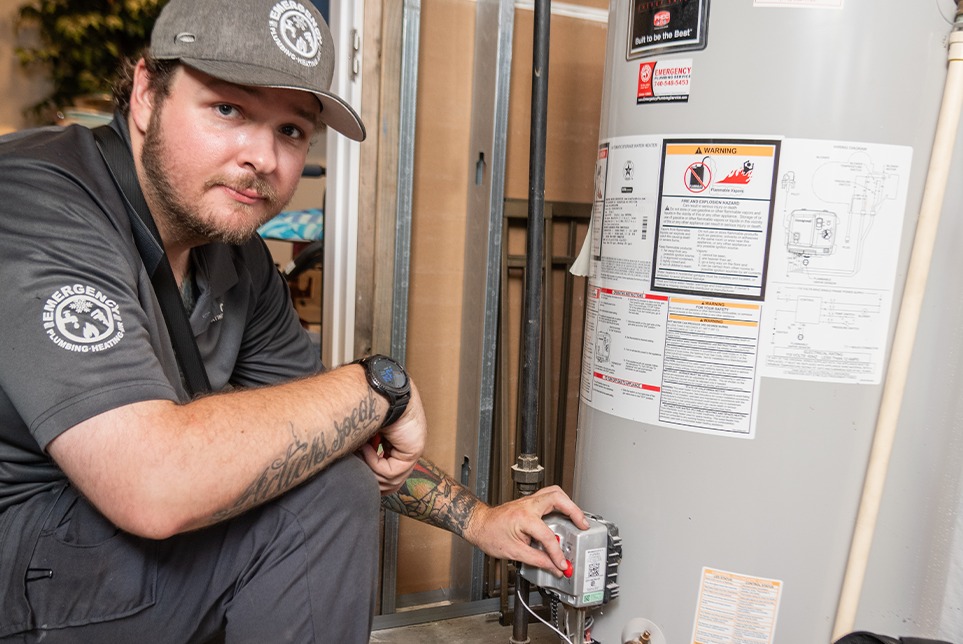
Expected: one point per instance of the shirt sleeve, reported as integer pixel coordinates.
(77, 336)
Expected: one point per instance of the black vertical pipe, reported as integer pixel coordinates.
(531, 341)
(536, 229)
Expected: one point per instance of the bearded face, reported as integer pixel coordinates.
(219, 160)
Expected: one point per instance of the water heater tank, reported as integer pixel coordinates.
(760, 172)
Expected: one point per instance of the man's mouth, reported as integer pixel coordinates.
(244, 195)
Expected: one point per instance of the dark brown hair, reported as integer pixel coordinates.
(160, 73)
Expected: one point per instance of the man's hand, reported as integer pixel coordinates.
(402, 444)
(507, 531)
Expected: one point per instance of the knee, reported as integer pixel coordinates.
(342, 497)
(358, 487)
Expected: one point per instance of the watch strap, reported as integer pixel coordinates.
(395, 409)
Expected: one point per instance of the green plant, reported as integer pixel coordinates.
(80, 44)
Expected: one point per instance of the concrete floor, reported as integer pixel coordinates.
(463, 630)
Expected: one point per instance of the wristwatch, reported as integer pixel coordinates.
(386, 376)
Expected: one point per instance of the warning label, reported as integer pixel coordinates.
(715, 216)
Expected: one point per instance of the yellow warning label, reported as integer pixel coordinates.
(723, 149)
(716, 303)
(704, 320)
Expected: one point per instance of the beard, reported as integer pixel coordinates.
(185, 221)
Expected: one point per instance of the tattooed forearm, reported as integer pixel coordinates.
(304, 458)
(300, 460)
(431, 496)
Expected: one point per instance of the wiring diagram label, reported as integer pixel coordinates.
(839, 214)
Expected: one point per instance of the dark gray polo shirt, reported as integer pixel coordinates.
(80, 329)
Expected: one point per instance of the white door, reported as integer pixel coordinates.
(346, 21)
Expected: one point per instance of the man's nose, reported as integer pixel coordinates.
(258, 150)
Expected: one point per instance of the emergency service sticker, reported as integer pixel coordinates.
(734, 607)
(664, 81)
(82, 319)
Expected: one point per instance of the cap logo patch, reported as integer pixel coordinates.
(296, 32)
(82, 319)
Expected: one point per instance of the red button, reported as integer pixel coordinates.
(569, 571)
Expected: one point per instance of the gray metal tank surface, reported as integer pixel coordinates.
(782, 505)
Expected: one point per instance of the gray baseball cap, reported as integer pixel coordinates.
(264, 43)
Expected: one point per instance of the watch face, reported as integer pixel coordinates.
(389, 372)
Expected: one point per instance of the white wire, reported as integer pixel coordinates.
(518, 594)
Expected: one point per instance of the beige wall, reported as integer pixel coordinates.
(441, 182)
(574, 107)
(18, 88)
(437, 259)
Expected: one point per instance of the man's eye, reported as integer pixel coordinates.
(292, 132)
(226, 110)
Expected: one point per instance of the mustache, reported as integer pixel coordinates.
(249, 183)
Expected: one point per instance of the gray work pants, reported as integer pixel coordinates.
(299, 569)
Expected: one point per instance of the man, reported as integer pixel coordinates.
(131, 510)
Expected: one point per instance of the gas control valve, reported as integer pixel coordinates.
(593, 555)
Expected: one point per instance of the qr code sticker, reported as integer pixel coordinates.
(594, 570)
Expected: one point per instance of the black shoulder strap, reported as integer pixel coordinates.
(121, 166)
(865, 637)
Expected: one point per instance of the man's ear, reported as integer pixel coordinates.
(141, 98)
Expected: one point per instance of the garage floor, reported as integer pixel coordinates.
(463, 630)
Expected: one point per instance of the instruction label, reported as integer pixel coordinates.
(736, 608)
(669, 358)
(708, 377)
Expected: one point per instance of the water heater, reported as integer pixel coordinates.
(760, 174)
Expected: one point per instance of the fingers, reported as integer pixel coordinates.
(543, 502)
(391, 473)
(370, 455)
(535, 557)
(513, 535)
(554, 499)
(516, 530)
(539, 533)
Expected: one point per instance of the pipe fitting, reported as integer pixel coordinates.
(954, 43)
(527, 471)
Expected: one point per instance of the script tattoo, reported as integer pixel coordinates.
(304, 458)
(431, 496)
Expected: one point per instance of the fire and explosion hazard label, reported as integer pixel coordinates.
(715, 217)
